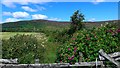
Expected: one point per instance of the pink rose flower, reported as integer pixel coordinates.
(68, 48)
(118, 30)
(73, 38)
(71, 58)
(88, 38)
(75, 48)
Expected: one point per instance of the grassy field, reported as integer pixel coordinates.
(7, 35)
(50, 47)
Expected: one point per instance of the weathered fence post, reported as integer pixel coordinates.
(9, 61)
(96, 63)
(109, 58)
(36, 61)
(80, 57)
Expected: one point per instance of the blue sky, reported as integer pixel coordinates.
(59, 11)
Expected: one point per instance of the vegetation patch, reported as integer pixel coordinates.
(89, 42)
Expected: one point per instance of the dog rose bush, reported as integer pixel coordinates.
(89, 42)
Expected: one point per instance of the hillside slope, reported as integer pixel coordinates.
(33, 25)
(44, 25)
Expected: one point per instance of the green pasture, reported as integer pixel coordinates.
(7, 35)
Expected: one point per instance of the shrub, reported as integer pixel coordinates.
(89, 42)
(23, 47)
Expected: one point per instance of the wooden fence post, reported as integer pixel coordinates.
(36, 61)
(109, 58)
(9, 61)
(80, 57)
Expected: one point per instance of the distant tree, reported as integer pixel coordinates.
(77, 20)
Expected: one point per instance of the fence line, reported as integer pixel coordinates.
(103, 57)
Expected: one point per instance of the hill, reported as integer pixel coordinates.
(44, 25)
(33, 25)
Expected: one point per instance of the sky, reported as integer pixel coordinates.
(97, 10)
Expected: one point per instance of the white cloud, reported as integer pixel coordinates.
(39, 16)
(7, 13)
(55, 19)
(97, 1)
(11, 20)
(38, 1)
(26, 8)
(11, 3)
(92, 19)
(27, 1)
(16, 14)
(8, 4)
(40, 7)
(20, 14)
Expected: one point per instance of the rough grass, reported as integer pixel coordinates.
(7, 35)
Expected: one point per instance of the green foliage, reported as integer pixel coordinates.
(89, 42)
(77, 21)
(23, 47)
(58, 36)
